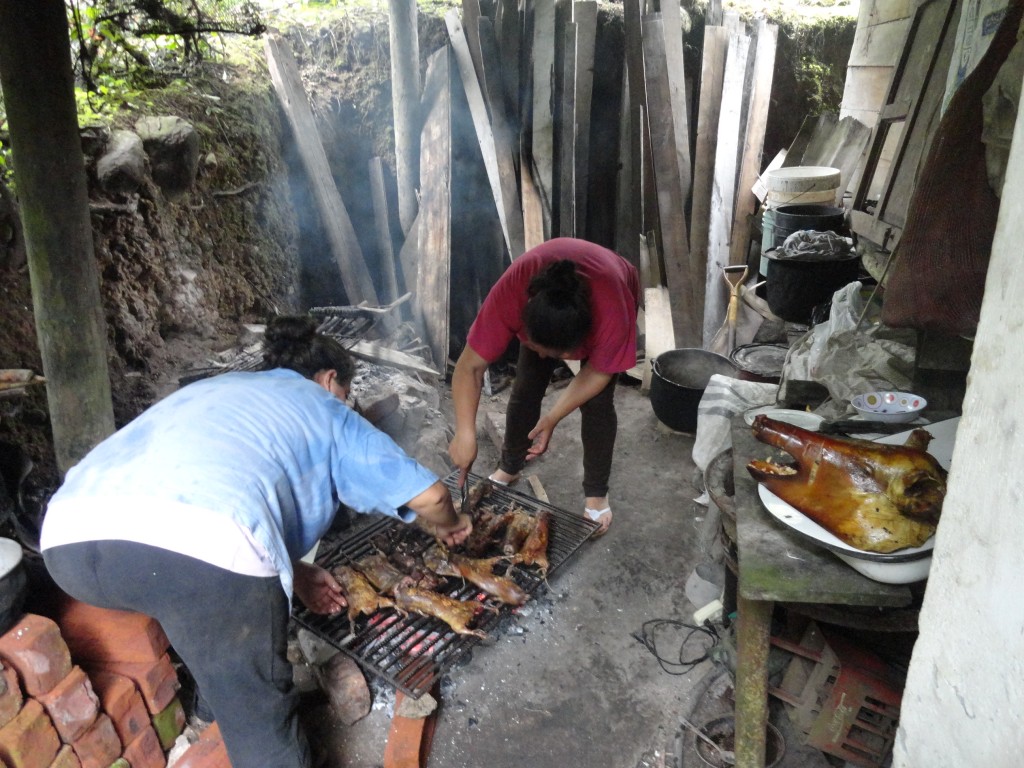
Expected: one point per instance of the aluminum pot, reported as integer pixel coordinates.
(678, 380)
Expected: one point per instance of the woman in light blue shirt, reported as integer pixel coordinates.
(197, 513)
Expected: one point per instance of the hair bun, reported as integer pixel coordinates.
(287, 329)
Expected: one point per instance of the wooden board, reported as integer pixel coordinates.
(716, 43)
(500, 172)
(912, 107)
(753, 143)
(658, 333)
(724, 188)
(566, 133)
(585, 17)
(508, 32)
(675, 243)
(432, 294)
(672, 29)
(635, 98)
(506, 146)
(341, 236)
(382, 229)
(542, 137)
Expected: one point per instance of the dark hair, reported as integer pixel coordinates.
(557, 314)
(292, 342)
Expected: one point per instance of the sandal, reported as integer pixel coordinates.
(502, 483)
(598, 516)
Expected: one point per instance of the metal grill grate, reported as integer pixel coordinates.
(412, 652)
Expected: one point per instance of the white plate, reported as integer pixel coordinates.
(902, 567)
(803, 419)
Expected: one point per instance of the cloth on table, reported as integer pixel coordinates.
(724, 397)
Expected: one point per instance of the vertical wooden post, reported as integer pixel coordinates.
(38, 87)
(542, 136)
(405, 102)
(585, 16)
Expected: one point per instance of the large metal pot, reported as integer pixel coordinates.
(678, 380)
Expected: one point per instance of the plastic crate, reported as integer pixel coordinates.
(844, 700)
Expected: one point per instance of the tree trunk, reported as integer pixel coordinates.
(35, 72)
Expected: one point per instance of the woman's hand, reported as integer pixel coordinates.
(541, 437)
(318, 589)
(463, 451)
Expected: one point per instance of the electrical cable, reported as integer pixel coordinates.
(647, 637)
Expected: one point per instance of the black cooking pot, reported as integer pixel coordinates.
(796, 286)
(678, 380)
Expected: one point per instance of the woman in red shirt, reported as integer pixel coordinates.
(566, 299)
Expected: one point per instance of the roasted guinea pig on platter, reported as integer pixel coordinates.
(872, 496)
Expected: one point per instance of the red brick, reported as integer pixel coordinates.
(72, 705)
(66, 758)
(35, 648)
(157, 681)
(208, 752)
(29, 740)
(121, 700)
(101, 634)
(11, 697)
(169, 723)
(99, 746)
(145, 751)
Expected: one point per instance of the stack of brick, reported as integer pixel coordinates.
(86, 687)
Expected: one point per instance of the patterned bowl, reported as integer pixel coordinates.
(889, 406)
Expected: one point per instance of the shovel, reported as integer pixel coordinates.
(734, 275)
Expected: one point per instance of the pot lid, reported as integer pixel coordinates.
(760, 359)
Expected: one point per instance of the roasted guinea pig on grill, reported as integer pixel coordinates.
(476, 571)
(876, 497)
(457, 614)
(360, 594)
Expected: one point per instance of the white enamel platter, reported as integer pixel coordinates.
(902, 567)
(803, 419)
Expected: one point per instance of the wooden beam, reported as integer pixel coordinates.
(675, 244)
(405, 105)
(435, 225)
(724, 188)
(341, 236)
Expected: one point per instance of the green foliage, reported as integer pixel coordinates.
(122, 48)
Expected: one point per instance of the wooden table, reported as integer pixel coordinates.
(776, 564)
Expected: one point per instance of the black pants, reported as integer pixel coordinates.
(597, 431)
(230, 630)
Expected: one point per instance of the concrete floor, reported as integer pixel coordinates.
(568, 683)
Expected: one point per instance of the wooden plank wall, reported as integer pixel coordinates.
(527, 69)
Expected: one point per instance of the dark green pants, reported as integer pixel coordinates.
(597, 431)
(230, 630)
